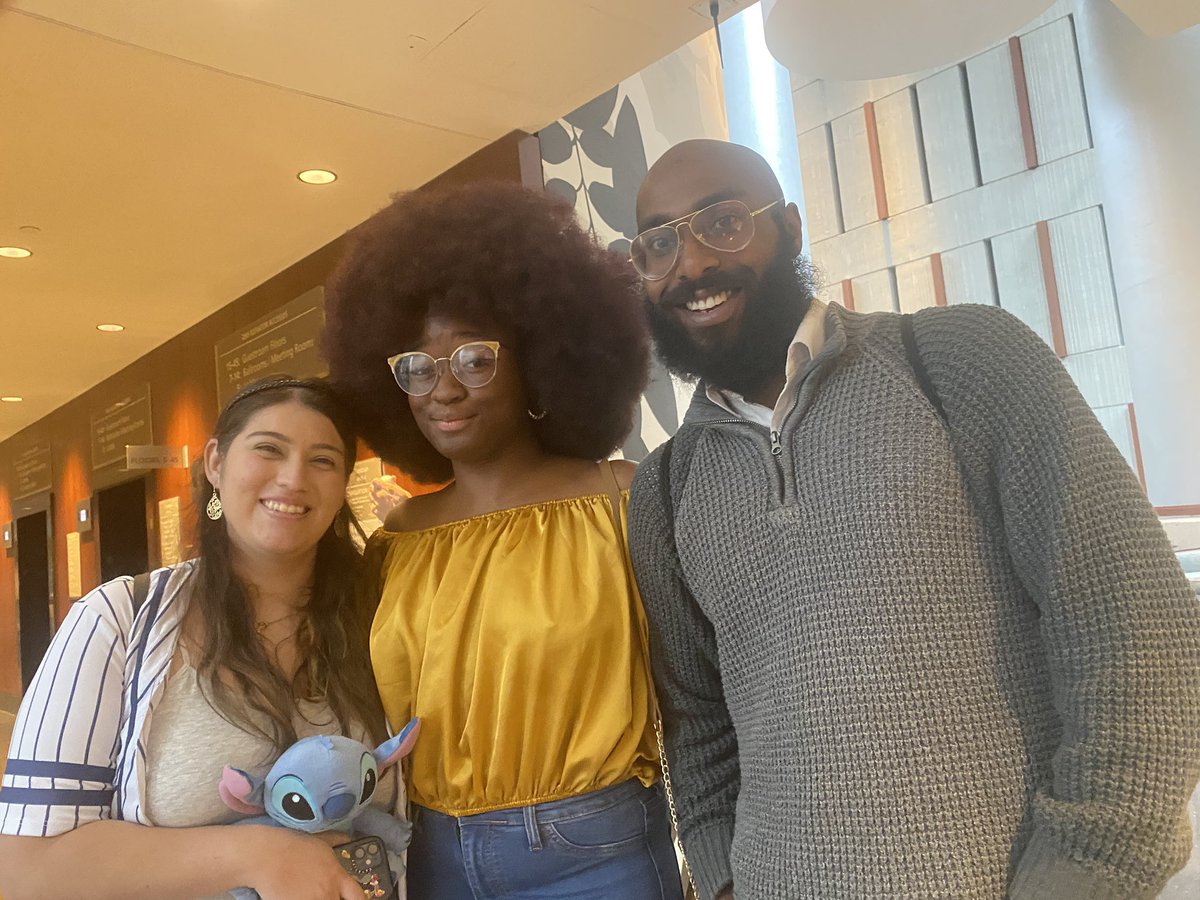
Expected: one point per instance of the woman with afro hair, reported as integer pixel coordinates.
(487, 341)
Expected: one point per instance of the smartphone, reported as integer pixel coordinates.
(366, 860)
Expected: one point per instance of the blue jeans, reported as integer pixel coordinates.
(611, 843)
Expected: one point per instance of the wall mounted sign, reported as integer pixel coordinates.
(168, 531)
(281, 342)
(32, 471)
(358, 493)
(74, 568)
(155, 456)
(125, 422)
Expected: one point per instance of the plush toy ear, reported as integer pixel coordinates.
(394, 749)
(241, 791)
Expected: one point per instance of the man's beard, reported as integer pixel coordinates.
(774, 306)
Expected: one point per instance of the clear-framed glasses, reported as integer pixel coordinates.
(473, 364)
(727, 226)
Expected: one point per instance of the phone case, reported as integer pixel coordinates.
(366, 860)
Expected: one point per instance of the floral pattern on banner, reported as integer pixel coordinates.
(597, 156)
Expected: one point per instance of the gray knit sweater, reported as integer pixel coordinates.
(900, 661)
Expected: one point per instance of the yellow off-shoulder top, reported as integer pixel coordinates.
(519, 639)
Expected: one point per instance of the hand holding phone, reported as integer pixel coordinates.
(366, 861)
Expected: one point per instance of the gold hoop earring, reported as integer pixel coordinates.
(537, 417)
(214, 508)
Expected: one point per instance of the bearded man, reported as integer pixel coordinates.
(917, 631)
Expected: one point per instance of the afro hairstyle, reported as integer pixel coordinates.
(504, 257)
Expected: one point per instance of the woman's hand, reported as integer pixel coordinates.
(115, 860)
(386, 495)
(289, 865)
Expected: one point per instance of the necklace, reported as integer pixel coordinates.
(261, 627)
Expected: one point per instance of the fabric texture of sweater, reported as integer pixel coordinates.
(906, 659)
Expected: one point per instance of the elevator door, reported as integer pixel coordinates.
(121, 529)
(33, 591)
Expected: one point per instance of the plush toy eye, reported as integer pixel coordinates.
(369, 777)
(290, 797)
(297, 807)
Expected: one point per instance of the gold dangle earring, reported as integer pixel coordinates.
(214, 509)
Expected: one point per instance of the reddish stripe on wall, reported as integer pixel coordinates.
(1168, 511)
(848, 294)
(881, 206)
(1137, 445)
(1022, 85)
(939, 279)
(1051, 283)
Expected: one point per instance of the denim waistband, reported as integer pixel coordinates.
(553, 810)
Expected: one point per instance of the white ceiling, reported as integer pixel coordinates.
(154, 144)
(1159, 18)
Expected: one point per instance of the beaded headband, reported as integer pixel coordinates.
(280, 382)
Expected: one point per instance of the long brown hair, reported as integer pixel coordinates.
(235, 672)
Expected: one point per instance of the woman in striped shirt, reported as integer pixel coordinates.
(134, 712)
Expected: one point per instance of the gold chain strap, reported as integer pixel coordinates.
(614, 499)
(666, 776)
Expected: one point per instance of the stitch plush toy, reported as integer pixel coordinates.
(324, 783)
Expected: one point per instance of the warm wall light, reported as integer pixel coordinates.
(15, 252)
(317, 176)
(11, 399)
(110, 326)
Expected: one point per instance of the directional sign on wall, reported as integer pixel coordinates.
(284, 341)
(31, 470)
(124, 421)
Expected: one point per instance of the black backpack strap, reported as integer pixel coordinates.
(918, 367)
(141, 590)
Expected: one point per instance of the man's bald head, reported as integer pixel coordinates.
(700, 168)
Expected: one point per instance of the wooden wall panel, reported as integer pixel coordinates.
(1057, 108)
(855, 173)
(822, 208)
(996, 115)
(902, 152)
(948, 135)
(967, 274)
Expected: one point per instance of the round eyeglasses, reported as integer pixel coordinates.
(473, 364)
(727, 226)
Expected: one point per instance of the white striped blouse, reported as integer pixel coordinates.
(78, 753)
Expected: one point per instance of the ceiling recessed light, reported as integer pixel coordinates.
(15, 252)
(110, 326)
(11, 399)
(317, 176)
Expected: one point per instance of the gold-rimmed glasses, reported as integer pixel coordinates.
(473, 364)
(727, 226)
